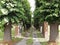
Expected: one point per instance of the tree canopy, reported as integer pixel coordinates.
(47, 10)
(11, 11)
(27, 12)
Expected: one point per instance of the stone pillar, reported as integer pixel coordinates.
(45, 29)
(17, 31)
(40, 28)
(53, 33)
(59, 34)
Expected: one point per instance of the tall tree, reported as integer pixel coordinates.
(11, 11)
(49, 10)
(26, 6)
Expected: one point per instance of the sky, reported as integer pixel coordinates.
(32, 4)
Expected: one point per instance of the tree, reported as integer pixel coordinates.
(40, 14)
(49, 10)
(11, 11)
(26, 6)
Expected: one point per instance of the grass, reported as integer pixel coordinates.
(27, 33)
(39, 34)
(43, 43)
(16, 39)
(58, 43)
(1, 35)
(23, 34)
(29, 41)
(46, 43)
(13, 33)
(30, 35)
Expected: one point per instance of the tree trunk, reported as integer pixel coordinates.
(7, 32)
(44, 28)
(53, 32)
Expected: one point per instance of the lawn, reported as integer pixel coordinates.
(1, 35)
(29, 41)
(13, 33)
(58, 43)
(44, 43)
(16, 39)
(39, 35)
(27, 33)
(23, 34)
(30, 35)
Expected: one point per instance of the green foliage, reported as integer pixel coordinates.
(11, 10)
(47, 11)
(14, 11)
(27, 12)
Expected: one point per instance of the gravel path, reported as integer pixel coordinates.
(23, 42)
(35, 39)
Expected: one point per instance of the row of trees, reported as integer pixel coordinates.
(13, 12)
(26, 6)
(48, 11)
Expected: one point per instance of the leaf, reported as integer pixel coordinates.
(4, 11)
